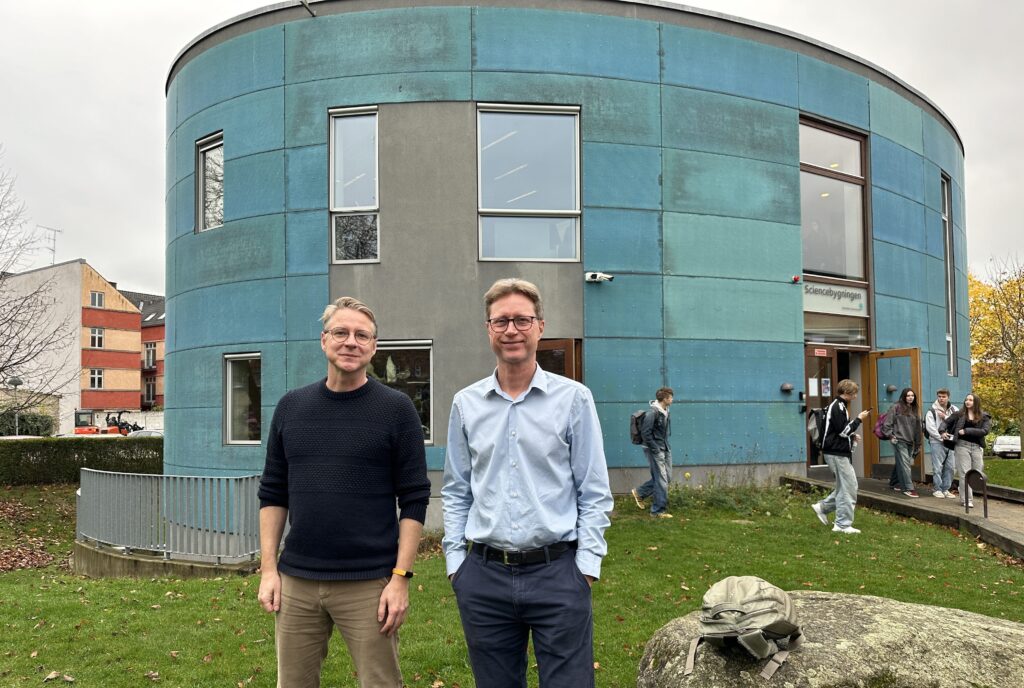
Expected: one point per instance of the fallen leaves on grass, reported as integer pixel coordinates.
(54, 675)
(14, 512)
(29, 555)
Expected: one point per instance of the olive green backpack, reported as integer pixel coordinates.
(751, 612)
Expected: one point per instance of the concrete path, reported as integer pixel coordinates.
(1004, 527)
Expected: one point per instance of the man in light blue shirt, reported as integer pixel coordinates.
(526, 502)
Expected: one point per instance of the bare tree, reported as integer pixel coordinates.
(34, 337)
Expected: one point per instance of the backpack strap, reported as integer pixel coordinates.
(691, 655)
(779, 658)
(757, 645)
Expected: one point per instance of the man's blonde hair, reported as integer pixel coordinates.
(514, 285)
(847, 387)
(350, 303)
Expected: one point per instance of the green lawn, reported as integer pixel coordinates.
(1006, 472)
(113, 633)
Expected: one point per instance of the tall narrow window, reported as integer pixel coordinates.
(96, 337)
(405, 366)
(832, 202)
(95, 378)
(529, 191)
(947, 240)
(149, 395)
(150, 355)
(353, 193)
(210, 182)
(96, 299)
(242, 412)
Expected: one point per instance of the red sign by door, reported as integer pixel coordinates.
(821, 352)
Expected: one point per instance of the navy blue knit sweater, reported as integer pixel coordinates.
(337, 461)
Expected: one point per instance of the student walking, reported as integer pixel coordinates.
(968, 426)
(942, 455)
(903, 425)
(837, 445)
(657, 426)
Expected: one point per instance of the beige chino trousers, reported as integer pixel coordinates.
(310, 610)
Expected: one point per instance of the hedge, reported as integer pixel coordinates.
(28, 424)
(59, 459)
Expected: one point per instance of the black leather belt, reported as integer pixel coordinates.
(519, 557)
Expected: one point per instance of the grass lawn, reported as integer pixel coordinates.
(1005, 472)
(123, 632)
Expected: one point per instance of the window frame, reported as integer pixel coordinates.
(334, 211)
(226, 389)
(859, 180)
(96, 378)
(147, 349)
(97, 299)
(576, 214)
(149, 389)
(96, 337)
(421, 345)
(949, 260)
(203, 147)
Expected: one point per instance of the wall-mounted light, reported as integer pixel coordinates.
(786, 387)
(889, 389)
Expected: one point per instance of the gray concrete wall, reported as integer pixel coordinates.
(428, 227)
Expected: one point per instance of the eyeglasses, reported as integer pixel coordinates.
(521, 322)
(341, 335)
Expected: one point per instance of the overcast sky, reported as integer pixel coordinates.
(82, 107)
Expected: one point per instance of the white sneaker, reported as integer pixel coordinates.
(949, 495)
(970, 503)
(819, 513)
(939, 493)
(849, 530)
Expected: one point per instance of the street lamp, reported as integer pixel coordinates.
(14, 383)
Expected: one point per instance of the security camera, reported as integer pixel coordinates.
(598, 277)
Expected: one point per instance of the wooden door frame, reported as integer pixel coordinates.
(870, 394)
(573, 349)
(833, 355)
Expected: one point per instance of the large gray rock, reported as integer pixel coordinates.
(853, 641)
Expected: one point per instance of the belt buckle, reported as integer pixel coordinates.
(504, 556)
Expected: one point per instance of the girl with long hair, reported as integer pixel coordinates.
(903, 425)
(968, 427)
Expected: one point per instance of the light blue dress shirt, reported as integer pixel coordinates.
(526, 472)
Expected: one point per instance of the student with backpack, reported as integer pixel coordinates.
(968, 426)
(941, 450)
(903, 427)
(838, 440)
(654, 431)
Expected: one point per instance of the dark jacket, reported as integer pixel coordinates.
(839, 429)
(955, 422)
(655, 430)
(905, 427)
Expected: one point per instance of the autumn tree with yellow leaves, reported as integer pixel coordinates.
(997, 339)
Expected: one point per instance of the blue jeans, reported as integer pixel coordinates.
(502, 605)
(843, 499)
(901, 466)
(661, 476)
(942, 465)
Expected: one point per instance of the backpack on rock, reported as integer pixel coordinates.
(751, 612)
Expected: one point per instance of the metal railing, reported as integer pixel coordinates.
(192, 518)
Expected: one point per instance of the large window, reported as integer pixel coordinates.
(950, 271)
(96, 337)
(242, 414)
(210, 182)
(832, 202)
(529, 198)
(353, 192)
(149, 390)
(405, 366)
(95, 378)
(150, 355)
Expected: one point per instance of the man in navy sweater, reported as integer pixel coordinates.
(340, 454)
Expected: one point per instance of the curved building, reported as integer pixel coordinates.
(777, 215)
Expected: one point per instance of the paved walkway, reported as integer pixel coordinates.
(1004, 527)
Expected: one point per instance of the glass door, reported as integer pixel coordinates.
(562, 357)
(820, 366)
(889, 372)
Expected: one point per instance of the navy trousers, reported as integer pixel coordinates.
(501, 605)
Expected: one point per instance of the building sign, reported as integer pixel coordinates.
(835, 300)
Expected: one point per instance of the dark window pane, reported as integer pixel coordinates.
(244, 419)
(355, 237)
(408, 371)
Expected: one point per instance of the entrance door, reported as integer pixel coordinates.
(561, 356)
(889, 371)
(821, 369)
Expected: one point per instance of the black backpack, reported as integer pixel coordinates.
(636, 425)
(816, 426)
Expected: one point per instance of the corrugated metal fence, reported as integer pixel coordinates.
(193, 518)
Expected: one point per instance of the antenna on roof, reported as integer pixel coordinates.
(52, 248)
